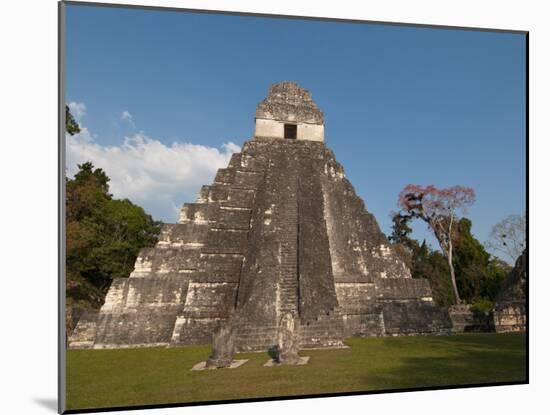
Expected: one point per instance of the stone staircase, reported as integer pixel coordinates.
(254, 338)
(83, 336)
(288, 279)
(325, 331)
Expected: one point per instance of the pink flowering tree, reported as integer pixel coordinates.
(439, 208)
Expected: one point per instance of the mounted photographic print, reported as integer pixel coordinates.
(258, 207)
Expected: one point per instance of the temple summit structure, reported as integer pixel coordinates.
(280, 232)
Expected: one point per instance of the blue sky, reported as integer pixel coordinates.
(175, 93)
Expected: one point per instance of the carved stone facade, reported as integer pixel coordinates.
(289, 112)
(465, 319)
(280, 230)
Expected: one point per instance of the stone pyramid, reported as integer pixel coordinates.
(279, 230)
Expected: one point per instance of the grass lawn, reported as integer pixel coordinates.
(126, 377)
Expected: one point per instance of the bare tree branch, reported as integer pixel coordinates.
(507, 238)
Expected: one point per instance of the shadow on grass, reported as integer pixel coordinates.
(455, 360)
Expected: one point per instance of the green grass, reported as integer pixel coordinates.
(111, 378)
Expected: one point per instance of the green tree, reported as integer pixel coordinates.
(71, 126)
(479, 275)
(103, 237)
(439, 209)
(432, 265)
(422, 261)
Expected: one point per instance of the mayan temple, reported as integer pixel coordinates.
(279, 230)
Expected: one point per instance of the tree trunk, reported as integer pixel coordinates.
(447, 248)
(452, 269)
(450, 260)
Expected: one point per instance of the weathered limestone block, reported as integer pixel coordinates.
(197, 213)
(115, 300)
(203, 194)
(230, 217)
(242, 198)
(414, 317)
(166, 262)
(83, 335)
(209, 300)
(218, 192)
(325, 330)
(153, 292)
(226, 241)
(193, 330)
(288, 102)
(510, 317)
(247, 180)
(403, 289)
(255, 337)
(356, 297)
(220, 267)
(225, 176)
(235, 160)
(192, 234)
(368, 324)
(252, 162)
(465, 319)
(141, 327)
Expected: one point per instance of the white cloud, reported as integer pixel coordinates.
(156, 176)
(78, 110)
(126, 116)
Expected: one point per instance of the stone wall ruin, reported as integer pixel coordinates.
(510, 312)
